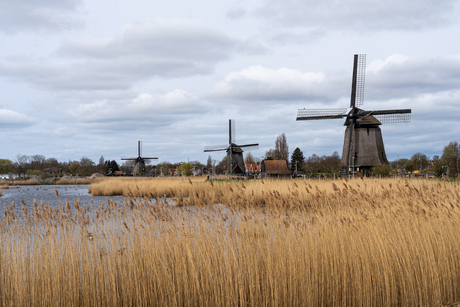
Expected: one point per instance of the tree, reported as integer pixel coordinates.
(209, 163)
(328, 165)
(438, 166)
(22, 164)
(162, 169)
(86, 166)
(281, 148)
(6, 166)
(127, 166)
(297, 156)
(270, 154)
(409, 167)
(450, 157)
(187, 169)
(222, 166)
(249, 159)
(73, 168)
(114, 166)
(381, 170)
(420, 161)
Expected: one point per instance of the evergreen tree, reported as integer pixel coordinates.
(297, 155)
(114, 166)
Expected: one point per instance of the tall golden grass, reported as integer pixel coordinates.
(276, 243)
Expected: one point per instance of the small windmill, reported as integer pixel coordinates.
(363, 143)
(139, 164)
(235, 161)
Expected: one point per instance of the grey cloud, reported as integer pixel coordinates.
(235, 13)
(359, 15)
(400, 76)
(34, 15)
(161, 48)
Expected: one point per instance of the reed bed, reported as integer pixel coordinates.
(330, 243)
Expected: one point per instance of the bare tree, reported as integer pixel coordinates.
(209, 163)
(270, 154)
(249, 158)
(281, 148)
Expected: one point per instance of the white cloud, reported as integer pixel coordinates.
(12, 119)
(156, 108)
(259, 83)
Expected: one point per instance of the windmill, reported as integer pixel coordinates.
(139, 164)
(235, 161)
(363, 143)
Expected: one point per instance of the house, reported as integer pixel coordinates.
(252, 169)
(275, 168)
(174, 171)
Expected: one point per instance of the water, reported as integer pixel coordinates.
(47, 194)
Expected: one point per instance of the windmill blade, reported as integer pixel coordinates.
(128, 158)
(315, 114)
(215, 148)
(390, 116)
(232, 136)
(394, 118)
(249, 147)
(357, 84)
(149, 158)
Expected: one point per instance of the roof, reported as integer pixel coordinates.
(253, 167)
(275, 167)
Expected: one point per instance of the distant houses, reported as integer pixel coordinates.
(253, 169)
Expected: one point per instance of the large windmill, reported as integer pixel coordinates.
(235, 161)
(139, 164)
(363, 143)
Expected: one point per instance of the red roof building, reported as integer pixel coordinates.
(253, 168)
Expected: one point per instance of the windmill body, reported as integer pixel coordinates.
(235, 160)
(139, 162)
(363, 142)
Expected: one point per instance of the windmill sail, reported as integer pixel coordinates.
(363, 142)
(139, 164)
(234, 151)
(316, 114)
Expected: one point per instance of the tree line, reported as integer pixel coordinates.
(39, 165)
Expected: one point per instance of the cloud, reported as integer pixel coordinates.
(257, 83)
(12, 119)
(166, 48)
(153, 109)
(235, 13)
(34, 15)
(401, 76)
(395, 78)
(359, 15)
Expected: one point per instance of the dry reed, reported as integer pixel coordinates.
(284, 243)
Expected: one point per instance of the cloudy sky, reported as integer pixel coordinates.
(90, 78)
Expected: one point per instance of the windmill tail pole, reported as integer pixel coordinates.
(350, 143)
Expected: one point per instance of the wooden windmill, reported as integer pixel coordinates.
(235, 161)
(363, 143)
(139, 164)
